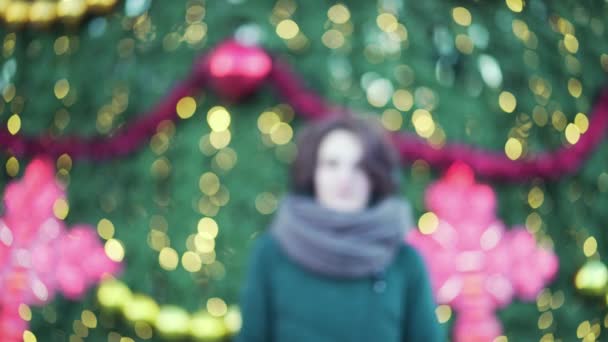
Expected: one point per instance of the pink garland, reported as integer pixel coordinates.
(234, 71)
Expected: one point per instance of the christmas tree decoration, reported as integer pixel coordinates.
(17, 13)
(205, 327)
(237, 70)
(71, 11)
(170, 126)
(38, 255)
(171, 321)
(592, 279)
(101, 6)
(42, 13)
(113, 294)
(476, 264)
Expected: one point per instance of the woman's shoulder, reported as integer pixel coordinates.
(408, 256)
(264, 245)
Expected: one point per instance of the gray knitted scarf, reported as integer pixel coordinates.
(337, 244)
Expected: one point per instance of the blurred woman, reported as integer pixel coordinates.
(334, 265)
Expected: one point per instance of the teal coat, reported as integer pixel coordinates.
(283, 302)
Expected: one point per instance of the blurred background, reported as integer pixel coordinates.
(178, 205)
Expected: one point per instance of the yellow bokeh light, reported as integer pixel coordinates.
(513, 148)
(61, 45)
(62, 88)
(287, 29)
(392, 119)
(543, 300)
(267, 120)
(209, 183)
(14, 124)
(233, 319)
(29, 336)
(203, 243)
(423, 123)
(557, 300)
(571, 43)
(220, 139)
(536, 197)
(208, 226)
(403, 100)
(520, 29)
(464, 44)
(582, 122)
(298, 43)
(575, 88)
(161, 168)
(507, 102)
(80, 329)
(173, 320)
(461, 16)
(545, 320)
(604, 61)
(159, 222)
(61, 208)
(89, 319)
(168, 258)
(443, 313)
(208, 258)
(157, 240)
(281, 133)
(387, 22)
(217, 307)
(222, 197)
(186, 107)
(159, 143)
(590, 246)
(9, 92)
(583, 329)
(113, 294)
(218, 118)
(559, 120)
(191, 262)
(226, 158)
(428, 222)
(540, 116)
(114, 250)
(515, 5)
(64, 162)
(105, 229)
(25, 312)
(12, 166)
(195, 33)
(572, 134)
(534, 222)
(564, 26)
(143, 330)
(207, 207)
(266, 203)
(333, 39)
(140, 308)
(338, 13)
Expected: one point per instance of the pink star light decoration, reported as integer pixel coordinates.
(476, 265)
(39, 256)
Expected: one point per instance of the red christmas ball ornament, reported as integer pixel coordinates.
(237, 70)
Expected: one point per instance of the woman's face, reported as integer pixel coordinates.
(341, 183)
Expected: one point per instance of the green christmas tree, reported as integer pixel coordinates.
(180, 211)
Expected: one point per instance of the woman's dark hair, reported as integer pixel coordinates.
(380, 159)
